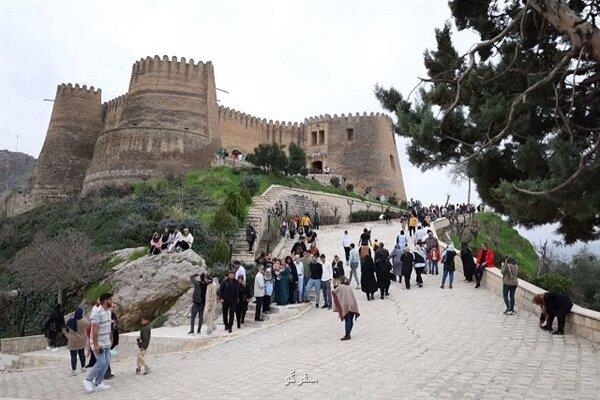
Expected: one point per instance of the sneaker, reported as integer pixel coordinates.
(54, 349)
(88, 386)
(82, 369)
(511, 313)
(324, 306)
(506, 312)
(346, 337)
(146, 371)
(73, 373)
(137, 371)
(317, 305)
(102, 386)
(190, 332)
(441, 287)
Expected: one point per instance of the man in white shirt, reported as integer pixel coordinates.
(300, 269)
(421, 234)
(239, 270)
(101, 341)
(346, 242)
(402, 240)
(326, 282)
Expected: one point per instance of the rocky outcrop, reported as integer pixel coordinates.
(150, 285)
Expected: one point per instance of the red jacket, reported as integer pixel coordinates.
(489, 257)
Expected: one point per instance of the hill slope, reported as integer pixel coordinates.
(15, 170)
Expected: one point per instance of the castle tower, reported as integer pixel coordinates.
(167, 123)
(74, 127)
(359, 147)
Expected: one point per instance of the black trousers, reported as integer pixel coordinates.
(347, 251)
(407, 280)
(228, 313)
(250, 244)
(240, 312)
(411, 230)
(479, 273)
(266, 302)
(183, 245)
(259, 305)
(419, 271)
(562, 317)
(197, 308)
(74, 354)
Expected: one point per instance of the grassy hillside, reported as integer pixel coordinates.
(505, 240)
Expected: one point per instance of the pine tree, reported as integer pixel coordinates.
(520, 111)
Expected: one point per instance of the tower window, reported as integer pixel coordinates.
(313, 138)
(392, 162)
(321, 137)
(350, 133)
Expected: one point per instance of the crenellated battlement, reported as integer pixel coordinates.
(69, 88)
(249, 120)
(112, 109)
(343, 116)
(171, 65)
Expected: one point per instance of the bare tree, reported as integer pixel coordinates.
(464, 226)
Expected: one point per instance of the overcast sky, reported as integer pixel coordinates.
(281, 60)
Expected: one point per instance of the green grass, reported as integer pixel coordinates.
(113, 262)
(138, 254)
(508, 240)
(95, 291)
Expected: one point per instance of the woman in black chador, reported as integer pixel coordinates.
(368, 283)
(468, 262)
(383, 267)
(553, 305)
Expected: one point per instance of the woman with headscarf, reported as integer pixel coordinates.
(293, 287)
(419, 258)
(449, 267)
(54, 326)
(344, 303)
(408, 261)
(468, 261)
(368, 284)
(553, 305)
(282, 294)
(211, 305)
(75, 331)
(510, 282)
(382, 268)
(396, 258)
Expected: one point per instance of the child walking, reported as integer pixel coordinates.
(143, 341)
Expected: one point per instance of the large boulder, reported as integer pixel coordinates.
(150, 285)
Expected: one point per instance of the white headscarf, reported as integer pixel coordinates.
(450, 247)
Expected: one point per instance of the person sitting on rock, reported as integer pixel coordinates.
(553, 305)
(177, 237)
(155, 244)
(185, 242)
(166, 239)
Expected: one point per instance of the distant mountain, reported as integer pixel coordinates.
(15, 170)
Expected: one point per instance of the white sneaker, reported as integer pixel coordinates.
(54, 349)
(73, 373)
(88, 386)
(102, 386)
(82, 369)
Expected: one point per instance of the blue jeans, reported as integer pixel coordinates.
(450, 275)
(508, 292)
(349, 322)
(433, 266)
(96, 375)
(316, 284)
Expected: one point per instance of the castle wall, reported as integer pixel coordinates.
(362, 149)
(74, 126)
(243, 132)
(166, 124)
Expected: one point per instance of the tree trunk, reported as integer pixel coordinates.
(566, 21)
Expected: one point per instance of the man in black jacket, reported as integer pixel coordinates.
(198, 299)
(299, 248)
(230, 293)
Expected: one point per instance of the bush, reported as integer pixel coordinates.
(364, 216)
(138, 254)
(113, 262)
(219, 252)
(251, 183)
(350, 187)
(393, 200)
(236, 205)
(96, 290)
(219, 269)
(223, 221)
(555, 283)
(246, 195)
(335, 181)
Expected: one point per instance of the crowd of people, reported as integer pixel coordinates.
(172, 240)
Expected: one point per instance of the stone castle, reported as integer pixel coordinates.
(169, 122)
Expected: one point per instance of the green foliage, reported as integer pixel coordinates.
(393, 200)
(246, 195)
(540, 140)
(219, 269)
(297, 160)
(335, 181)
(223, 221)
(556, 283)
(364, 216)
(219, 252)
(350, 187)
(251, 183)
(236, 205)
(112, 262)
(504, 240)
(96, 290)
(138, 254)
(269, 157)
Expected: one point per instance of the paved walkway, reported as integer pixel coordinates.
(422, 343)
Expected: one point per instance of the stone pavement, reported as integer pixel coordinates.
(421, 343)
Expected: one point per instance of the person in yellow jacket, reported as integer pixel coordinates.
(306, 222)
(412, 225)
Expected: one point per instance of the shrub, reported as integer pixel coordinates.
(251, 183)
(335, 181)
(223, 221)
(236, 205)
(138, 254)
(393, 200)
(219, 269)
(219, 252)
(350, 187)
(113, 262)
(246, 195)
(96, 290)
(364, 216)
(552, 282)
